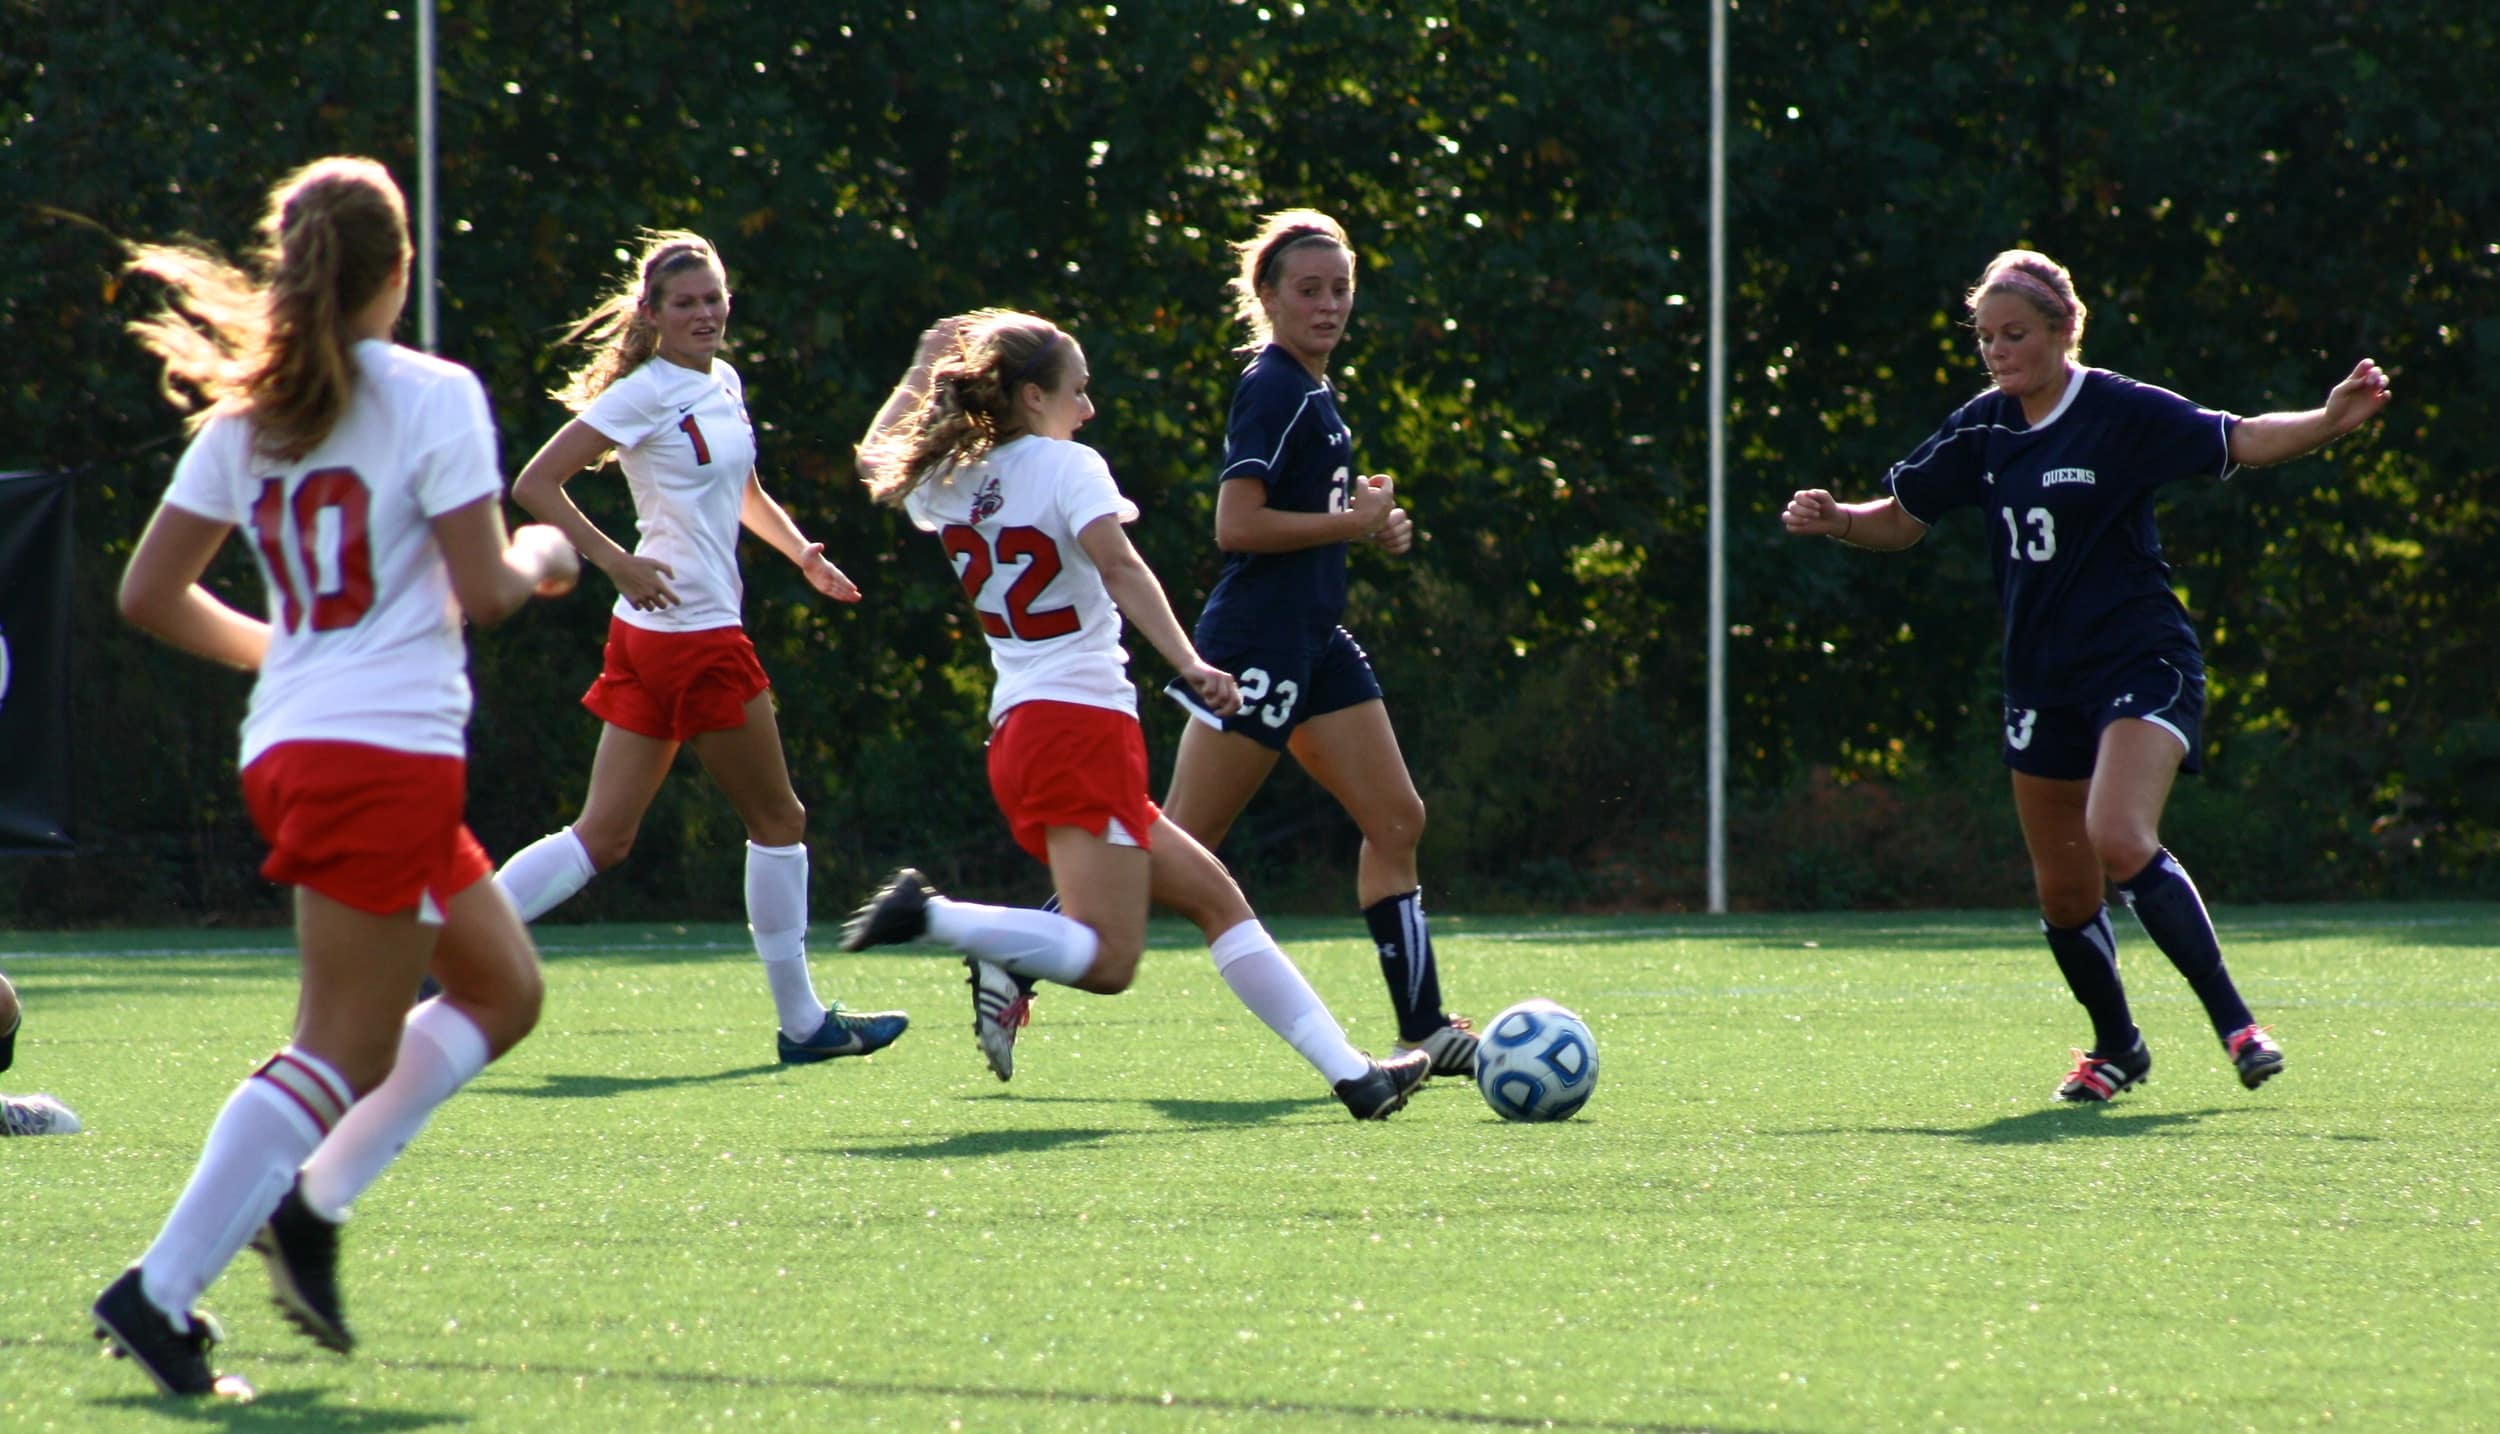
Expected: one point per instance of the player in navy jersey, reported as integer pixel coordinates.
(2104, 683)
(678, 669)
(978, 445)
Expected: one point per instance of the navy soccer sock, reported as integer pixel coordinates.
(2088, 954)
(2172, 913)
(1405, 943)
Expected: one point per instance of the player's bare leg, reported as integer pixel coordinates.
(1214, 776)
(2075, 921)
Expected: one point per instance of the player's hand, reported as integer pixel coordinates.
(546, 549)
(644, 583)
(1814, 513)
(1372, 498)
(2359, 397)
(1215, 688)
(937, 339)
(1396, 535)
(824, 577)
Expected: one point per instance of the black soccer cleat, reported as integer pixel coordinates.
(2097, 1077)
(844, 1033)
(893, 916)
(1382, 1090)
(133, 1328)
(302, 1252)
(2253, 1054)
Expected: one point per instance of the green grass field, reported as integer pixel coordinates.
(1821, 1187)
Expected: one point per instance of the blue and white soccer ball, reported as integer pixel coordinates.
(1536, 1061)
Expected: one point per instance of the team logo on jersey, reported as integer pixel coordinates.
(2056, 476)
(987, 500)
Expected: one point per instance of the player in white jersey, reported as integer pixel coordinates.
(978, 445)
(366, 478)
(678, 669)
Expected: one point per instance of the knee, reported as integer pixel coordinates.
(8, 1006)
(1113, 969)
(784, 824)
(605, 848)
(2123, 855)
(1398, 826)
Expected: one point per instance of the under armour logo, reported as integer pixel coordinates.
(2126, 701)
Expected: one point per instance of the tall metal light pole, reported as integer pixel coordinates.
(427, 333)
(1718, 455)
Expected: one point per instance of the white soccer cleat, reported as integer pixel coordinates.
(36, 1115)
(1000, 1007)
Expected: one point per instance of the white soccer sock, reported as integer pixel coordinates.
(270, 1123)
(1268, 982)
(1041, 944)
(541, 875)
(777, 919)
(440, 1050)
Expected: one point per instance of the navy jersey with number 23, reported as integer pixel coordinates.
(1286, 432)
(2079, 569)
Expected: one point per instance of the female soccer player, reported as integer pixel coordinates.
(977, 445)
(367, 478)
(1287, 505)
(26, 1114)
(678, 667)
(2104, 682)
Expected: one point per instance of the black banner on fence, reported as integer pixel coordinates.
(34, 663)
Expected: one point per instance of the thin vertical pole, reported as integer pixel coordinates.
(1718, 455)
(427, 333)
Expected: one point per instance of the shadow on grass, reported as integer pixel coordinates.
(1185, 1117)
(563, 1086)
(2082, 1121)
(283, 1409)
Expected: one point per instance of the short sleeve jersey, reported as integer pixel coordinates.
(2079, 570)
(364, 634)
(686, 446)
(1285, 432)
(1010, 523)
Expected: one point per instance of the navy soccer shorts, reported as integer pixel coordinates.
(1281, 688)
(2061, 743)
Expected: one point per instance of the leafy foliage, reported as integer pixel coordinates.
(2251, 201)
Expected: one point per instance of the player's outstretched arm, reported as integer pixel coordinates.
(767, 519)
(1140, 595)
(491, 574)
(1883, 525)
(161, 592)
(2281, 437)
(1244, 523)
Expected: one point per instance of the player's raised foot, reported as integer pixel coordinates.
(36, 1115)
(2253, 1054)
(896, 914)
(1452, 1047)
(844, 1033)
(301, 1250)
(133, 1328)
(1001, 1005)
(2097, 1077)
(1381, 1091)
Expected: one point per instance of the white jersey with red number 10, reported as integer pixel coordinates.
(1010, 522)
(364, 636)
(684, 442)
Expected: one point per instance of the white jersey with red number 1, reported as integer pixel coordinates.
(364, 636)
(684, 442)
(1010, 522)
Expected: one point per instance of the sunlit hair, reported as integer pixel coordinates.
(621, 331)
(271, 344)
(2039, 281)
(971, 405)
(1260, 261)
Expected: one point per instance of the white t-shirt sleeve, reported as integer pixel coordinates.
(629, 411)
(206, 479)
(459, 467)
(1086, 491)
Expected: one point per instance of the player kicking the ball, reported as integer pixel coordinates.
(977, 444)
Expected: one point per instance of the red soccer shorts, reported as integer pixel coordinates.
(375, 829)
(1065, 764)
(674, 685)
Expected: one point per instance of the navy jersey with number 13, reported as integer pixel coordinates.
(1286, 432)
(2079, 568)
